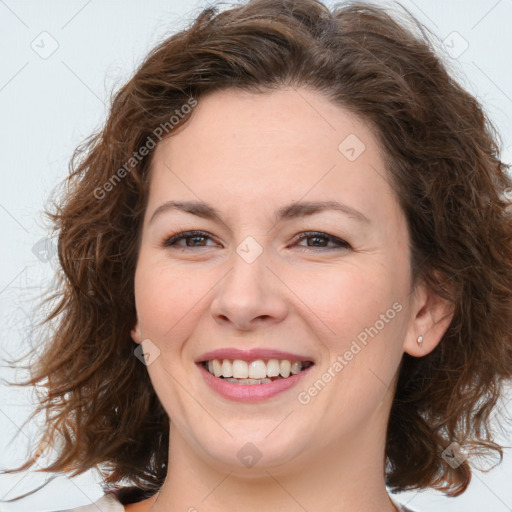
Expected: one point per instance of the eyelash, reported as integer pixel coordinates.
(184, 235)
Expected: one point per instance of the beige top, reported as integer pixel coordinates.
(109, 503)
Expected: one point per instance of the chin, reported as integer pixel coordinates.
(251, 453)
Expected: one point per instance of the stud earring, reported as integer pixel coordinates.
(420, 340)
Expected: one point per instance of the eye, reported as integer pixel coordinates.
(320, 240)
(192, 239)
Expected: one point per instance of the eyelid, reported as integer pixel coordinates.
(331, 238)
(183, 235)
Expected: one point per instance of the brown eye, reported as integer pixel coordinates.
(192, 239)
(320, 240)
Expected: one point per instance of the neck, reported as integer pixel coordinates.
(348, 477)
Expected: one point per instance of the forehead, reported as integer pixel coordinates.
(248, 148)
(273, 121)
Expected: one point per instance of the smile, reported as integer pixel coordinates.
(252, 375)
(259, 371)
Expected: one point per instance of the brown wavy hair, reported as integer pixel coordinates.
(442, 154)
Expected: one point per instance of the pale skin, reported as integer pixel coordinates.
(247, 155)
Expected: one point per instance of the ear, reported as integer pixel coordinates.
(430, 318)
(135, 333)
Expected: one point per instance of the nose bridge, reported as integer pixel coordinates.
(250, 291)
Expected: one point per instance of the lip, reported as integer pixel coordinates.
(250, 393)
(251, 355)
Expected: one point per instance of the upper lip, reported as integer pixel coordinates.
(251, 355)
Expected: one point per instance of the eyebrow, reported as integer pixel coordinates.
(291, 211)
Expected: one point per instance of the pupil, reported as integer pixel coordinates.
(318, 238)
(194, 239)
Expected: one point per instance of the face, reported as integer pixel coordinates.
(266, 274)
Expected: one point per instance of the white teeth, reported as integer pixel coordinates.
(227, 368)
(273, 368)
(296, 368)
(285, 367)
(248, 381)
(240, 369)
(217, 369)
(257, 371)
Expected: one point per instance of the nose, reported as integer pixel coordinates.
(250, 295)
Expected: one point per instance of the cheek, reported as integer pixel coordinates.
(165, 298)
(348, 299)
(361, 319)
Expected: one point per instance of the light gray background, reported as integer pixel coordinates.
(50, 103)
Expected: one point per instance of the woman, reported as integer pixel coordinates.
(287, 272)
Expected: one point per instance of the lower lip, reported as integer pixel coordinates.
(250, 392)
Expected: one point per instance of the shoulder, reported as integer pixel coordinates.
(107, 503)
(402, 508)
(115, 500)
